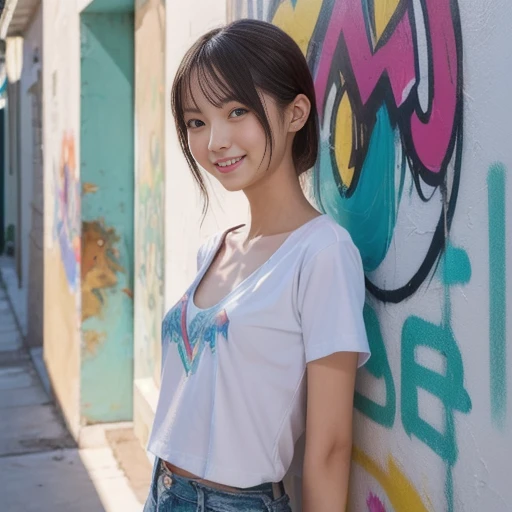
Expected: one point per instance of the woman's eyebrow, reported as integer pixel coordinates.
(191, 110)
(223, 103)
(229, 99)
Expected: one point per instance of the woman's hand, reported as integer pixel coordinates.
(330, 395)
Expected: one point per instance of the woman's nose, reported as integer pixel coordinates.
(219, 139)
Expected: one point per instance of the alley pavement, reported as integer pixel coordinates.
(41, 469)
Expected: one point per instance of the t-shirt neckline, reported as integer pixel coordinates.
(293, 234)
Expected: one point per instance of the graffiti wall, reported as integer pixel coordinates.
(403, 96)
(150, 106)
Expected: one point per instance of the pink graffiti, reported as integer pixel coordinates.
(432, 133)
(374, 504)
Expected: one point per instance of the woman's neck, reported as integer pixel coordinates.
(277, 205)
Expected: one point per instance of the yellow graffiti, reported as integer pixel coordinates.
(384, 10)
(400, 492)
(344, 139)
(298, 22)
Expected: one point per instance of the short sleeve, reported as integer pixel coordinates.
(331, 295)
(204, 251)
(200, 256)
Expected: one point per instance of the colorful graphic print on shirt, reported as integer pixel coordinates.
(204, 329)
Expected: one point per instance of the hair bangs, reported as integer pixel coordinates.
(222, 75)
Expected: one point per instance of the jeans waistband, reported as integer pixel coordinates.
(187, 488)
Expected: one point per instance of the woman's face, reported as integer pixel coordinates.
(229, 142)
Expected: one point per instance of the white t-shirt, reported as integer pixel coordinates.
(233, 394)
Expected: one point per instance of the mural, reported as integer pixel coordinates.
(389, 82)
(66, 224)
(149, 117)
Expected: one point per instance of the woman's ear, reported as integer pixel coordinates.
(300, 108)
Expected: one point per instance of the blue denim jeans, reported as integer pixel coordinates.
(173, 493)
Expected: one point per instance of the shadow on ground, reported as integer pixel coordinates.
(47, 482)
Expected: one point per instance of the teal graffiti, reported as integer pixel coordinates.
(369, 214)
(455, 266)
(497, 293)
(449, 388)
(378, 366)
(455, 269)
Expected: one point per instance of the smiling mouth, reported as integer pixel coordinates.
(228, 163)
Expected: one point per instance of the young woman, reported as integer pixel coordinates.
(272, 325)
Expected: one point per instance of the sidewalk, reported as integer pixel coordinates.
(41, 469)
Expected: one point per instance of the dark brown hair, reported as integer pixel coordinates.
(237, 61)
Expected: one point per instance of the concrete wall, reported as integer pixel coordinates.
(150, 104)
(9, 209)
(106, 162)
(61, 103)
(414, 161)
(10, 185)
(2, 171)
(32, 181)
(32, 42)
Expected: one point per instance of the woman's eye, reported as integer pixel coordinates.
(238, 112)
(194, 123)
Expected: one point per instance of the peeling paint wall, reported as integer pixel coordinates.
(61, 99)
(414, 162)
(107, 167)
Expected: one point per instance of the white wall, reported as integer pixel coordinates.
(187, 21)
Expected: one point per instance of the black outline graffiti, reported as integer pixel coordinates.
(365, 117)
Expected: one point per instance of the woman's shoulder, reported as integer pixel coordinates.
(324, 232)
(211, 243)
(206, 247)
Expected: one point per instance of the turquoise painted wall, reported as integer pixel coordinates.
(107, 179)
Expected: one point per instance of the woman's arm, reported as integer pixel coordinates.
(330, 396)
